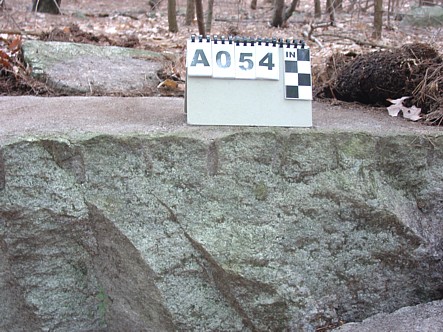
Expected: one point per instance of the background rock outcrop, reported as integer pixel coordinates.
(84, 69)
(256, 230)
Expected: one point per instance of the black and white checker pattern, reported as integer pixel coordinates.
(297, 75)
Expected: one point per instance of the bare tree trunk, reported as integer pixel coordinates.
(209, 13)
(154, 4)
(291, 9)
(351, 6)
(254, 4)
(338, 5)
(46, 6)
(331, 10)
(190, 12)
(378, 19)
(317, 9)
(277, 18)
(200, 19)
(390, 5)
(172, 16)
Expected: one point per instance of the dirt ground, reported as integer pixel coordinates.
(132, 23)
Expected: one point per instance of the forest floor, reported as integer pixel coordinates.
(132, 23)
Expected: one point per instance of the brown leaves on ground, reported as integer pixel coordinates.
(9, 49)
(14, 74)
(74, 34)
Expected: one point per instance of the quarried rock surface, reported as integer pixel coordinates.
(248, 230)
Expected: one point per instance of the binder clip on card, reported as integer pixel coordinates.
(247, 81)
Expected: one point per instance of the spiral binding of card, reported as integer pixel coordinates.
(281, 68)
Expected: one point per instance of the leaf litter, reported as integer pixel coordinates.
(131, 23)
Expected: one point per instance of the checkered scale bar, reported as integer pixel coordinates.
(297, 71)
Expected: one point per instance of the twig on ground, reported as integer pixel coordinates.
(313, 38)
(355, 40)
(312, 26)
(20, 32)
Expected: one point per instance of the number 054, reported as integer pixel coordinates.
(246, 60)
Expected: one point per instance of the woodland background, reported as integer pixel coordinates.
(347, 27)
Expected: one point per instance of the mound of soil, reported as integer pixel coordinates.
(412, 70)
(373, 77)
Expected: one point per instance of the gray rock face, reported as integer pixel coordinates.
(261, 230)
(83, 69)
(424, 16)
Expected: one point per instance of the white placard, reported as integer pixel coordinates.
(267, 61)
(245, 61)
(223, 59)
(199, 57)
(250, 82)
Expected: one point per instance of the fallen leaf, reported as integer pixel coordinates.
(15, 44)
(393, 110)
(411, 113)
(168, 83)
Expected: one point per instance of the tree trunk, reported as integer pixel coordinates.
(190, 12)
(317, 9)
(338, 5)
(367, 6)
(277, 18)
(331, 10)
(351, 6)
(390, 5)
(200, 18)
(46, 6)
(172, 16)
(291, 9)
(378, 19)
(209, 13)
(154, 4)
